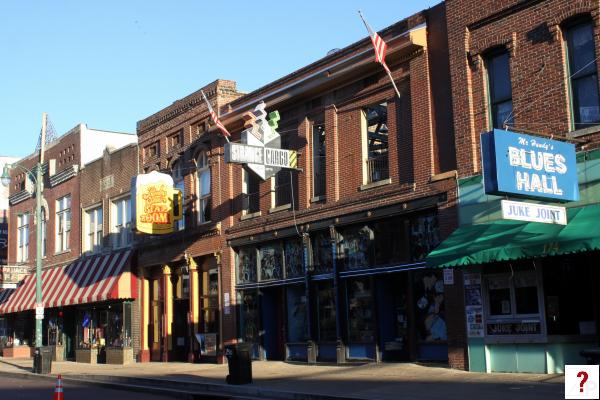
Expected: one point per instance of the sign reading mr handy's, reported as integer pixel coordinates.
(260, 149)
(529, 166)
(157, 205)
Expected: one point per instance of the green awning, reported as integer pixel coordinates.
(505, 240)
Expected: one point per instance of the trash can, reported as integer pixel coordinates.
(42, 360)
(239, 361)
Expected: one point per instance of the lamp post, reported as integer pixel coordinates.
(37, 176)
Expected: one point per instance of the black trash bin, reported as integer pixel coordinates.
(239, 361)
(42, 360)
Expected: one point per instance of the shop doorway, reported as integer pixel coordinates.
(393, 316)
(155, 325)
(69, 333)
(180, 329)
(272, 303)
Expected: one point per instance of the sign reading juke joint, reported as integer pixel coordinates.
(260, 150)
(156, 204)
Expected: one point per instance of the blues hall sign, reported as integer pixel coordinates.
(529, 166)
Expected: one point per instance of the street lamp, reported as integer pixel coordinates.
(37, 177)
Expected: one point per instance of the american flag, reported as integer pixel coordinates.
(215, 118)
(379, 45)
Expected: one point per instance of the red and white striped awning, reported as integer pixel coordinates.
(87, 280)
(5, 295)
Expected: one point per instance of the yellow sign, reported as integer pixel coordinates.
(157, 204)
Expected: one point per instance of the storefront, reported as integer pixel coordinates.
(531, 288)
(87, 313)
(365, 293)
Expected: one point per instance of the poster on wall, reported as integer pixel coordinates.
(474, 305)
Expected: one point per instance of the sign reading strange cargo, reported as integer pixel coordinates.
(260, 150)
(529, 166)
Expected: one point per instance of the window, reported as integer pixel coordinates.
(499, 87)
(319, 179)
(209, 301)
(271, 262)
(296, 314)
(251, 192)
(121, 222)
(361, 316)
(44, 233)
(326, 312)
(92, 240)
(284, 180)
(246, 265)
(375, 143)
(63, 223)
(584, 75)
(152, 151)
(23, 237)
(177, 173)
(204, 182)
(175, 140)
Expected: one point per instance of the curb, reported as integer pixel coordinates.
(181, 389)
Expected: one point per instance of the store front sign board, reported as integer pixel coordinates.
(528, 166)
(522, 211)
(156, 204)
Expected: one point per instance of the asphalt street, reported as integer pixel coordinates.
(36, 389)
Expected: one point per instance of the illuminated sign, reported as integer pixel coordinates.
(260, 150)
(157, 204)
(531, 166)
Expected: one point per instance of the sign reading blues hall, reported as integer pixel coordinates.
(529, 166)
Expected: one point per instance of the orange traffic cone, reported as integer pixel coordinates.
(58, 391)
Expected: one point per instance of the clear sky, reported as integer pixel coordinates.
(111, 63)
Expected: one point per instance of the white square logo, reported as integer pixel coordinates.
(581, 382)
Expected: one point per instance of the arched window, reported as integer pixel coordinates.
(203, 189)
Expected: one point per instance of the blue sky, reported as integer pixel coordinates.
(111, 63)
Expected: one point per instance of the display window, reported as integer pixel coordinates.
(357, 247)
(271, 262)
(326, 312)
(361, 315)
(104, 326)
(294, 258)
(246, 265)
(249, 315)
(209, 301)
(296, 314)
(321, 252)
(428, 289)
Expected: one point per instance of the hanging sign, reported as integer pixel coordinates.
(157, 204)
(530, 166)
(521, 211)
(260, 150)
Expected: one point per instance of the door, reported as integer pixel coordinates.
(180, 329)
(272, 303)
(69, 332)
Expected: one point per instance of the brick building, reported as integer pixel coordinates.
(530, 67)
(374, 192)
(66, 275)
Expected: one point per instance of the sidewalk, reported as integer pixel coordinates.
(279, 380)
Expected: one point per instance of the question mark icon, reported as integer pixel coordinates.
(583, 380)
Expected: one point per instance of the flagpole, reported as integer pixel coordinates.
(210, 109)
(383, 64)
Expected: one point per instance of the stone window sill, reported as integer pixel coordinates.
(376, 184)
(584, 131)
(250, 216)
(317, 199)
(280, 208)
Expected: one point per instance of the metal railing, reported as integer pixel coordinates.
(378, 168)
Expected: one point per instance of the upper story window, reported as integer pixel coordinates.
(121, 222)
(152, 150)
(203, 189)
(178, 180)
(318, 153)
(375, 143)
(251, 192)
(23, 237)
(175, 140)
(92, 240)
(585, 103)
(500, 90)
(63, 223)
(285, 183)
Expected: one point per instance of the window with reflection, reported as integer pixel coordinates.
(361, 316)
(356, 247)
(246, 265)
(271, 262)
(500, 90)
(203, 189)
(321, 250)
(249, 315)
(294, 258)
(326, 312)
(296, 314)
(424, 235)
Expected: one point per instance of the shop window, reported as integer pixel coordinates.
(430, 306)
(121, 222)
(321, 252)
(326, 312)
(571, 293)
(209, 301)
(424, 236)
(23, 237)
(356, 247)
(294, 258)
(63, 223)
(296, 314)
(92, 238)
(249, 316)
(499, 88)
(375, 143)
(319, 158)
(583, 74)
(251, 192)
(204, 188)
(105, 326)
(361, 318)
(246, 265)
(178, 182)
(392, 244)
(271, 262)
